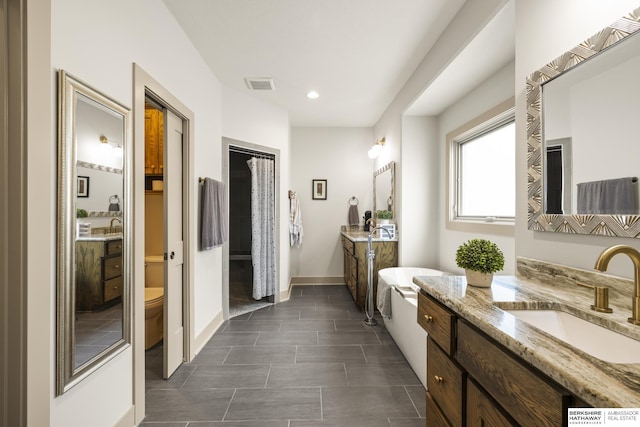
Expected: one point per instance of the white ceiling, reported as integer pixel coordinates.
(357, 54)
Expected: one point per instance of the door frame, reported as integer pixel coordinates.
(146, 86)
(226, 143)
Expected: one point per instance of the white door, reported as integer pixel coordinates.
(173, 317)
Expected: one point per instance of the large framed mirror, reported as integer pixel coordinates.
(94, 211)
(384, 197)
(582, 151)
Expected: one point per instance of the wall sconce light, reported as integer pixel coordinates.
(117, 148)
(376, 148)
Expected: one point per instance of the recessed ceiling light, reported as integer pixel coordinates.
(313, 94)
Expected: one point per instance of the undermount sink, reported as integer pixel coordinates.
(593, 339)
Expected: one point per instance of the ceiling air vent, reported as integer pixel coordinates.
(259, 83)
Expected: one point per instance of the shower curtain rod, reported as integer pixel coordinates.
(250, 152)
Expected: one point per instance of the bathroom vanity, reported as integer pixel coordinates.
(485, 365)
(98, 272)
(354, 245)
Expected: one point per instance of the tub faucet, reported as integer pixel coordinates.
(368, 307)
(111, 227)
(603, 262)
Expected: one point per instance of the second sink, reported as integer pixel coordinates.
(593, 339)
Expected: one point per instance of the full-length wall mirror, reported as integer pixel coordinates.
(582, 142)
(384, 197)
(93, 291)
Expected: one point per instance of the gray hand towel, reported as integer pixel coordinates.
(354, 216)
(611, 196)
(213, 231)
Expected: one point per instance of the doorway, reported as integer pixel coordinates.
(164, 282)
(238, 277)
(177, 229)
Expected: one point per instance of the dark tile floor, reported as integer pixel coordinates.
(309, 361)
(95, 331)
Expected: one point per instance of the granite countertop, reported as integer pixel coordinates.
(99, 237)
(599, 383)
(357, 234)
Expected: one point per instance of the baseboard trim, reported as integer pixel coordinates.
(203, 338)
(128, 419)
(317, 280)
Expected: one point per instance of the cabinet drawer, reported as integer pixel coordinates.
(435, 417)
(112, 267)
(444, 382)
(482, 410)
(530, 398)
(113, 247)
(112, 288)
(348, 245)
(438, 321)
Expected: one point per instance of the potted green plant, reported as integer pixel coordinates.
(480, 258)
(81, 213)
(383, 217)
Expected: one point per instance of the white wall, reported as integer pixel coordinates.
(338, 155)
(492, 92)
(415, 234)
(419, 209)
(544, 30)
(469, 21)
(254, 121)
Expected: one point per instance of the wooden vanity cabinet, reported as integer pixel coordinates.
(531, 398)
(98, 273)
(355, 265)
(474, 381)
(445, 383)
(350, 267)
(482, 410)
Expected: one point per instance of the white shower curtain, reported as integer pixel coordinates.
(263, 236)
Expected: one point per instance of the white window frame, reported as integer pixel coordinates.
(496, 117)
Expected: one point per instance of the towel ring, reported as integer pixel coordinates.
(353, 199)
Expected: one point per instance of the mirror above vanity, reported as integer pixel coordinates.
(582, 152)
(384, 188)
(93, 290)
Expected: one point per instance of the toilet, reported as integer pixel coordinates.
(153, 300)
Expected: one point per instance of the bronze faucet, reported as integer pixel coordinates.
(603, 262)
(111, 223)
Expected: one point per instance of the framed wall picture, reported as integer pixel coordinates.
(319, 189)
(83, 186)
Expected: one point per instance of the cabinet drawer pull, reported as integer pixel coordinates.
(116, 266)
(428, 318)
(439, 379)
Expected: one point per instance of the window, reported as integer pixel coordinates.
(482, 169)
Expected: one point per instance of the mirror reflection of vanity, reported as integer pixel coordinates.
(383, 188)
(93, 322)
(583, 169)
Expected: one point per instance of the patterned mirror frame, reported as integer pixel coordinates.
(607, 225)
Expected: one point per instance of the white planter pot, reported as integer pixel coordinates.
(478, 279)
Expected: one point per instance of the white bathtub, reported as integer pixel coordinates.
(402, 324)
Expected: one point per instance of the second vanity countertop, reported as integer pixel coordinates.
(357, 234)
(99, 237)
(599, 383)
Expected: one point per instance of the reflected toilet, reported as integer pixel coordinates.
(153, 300)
